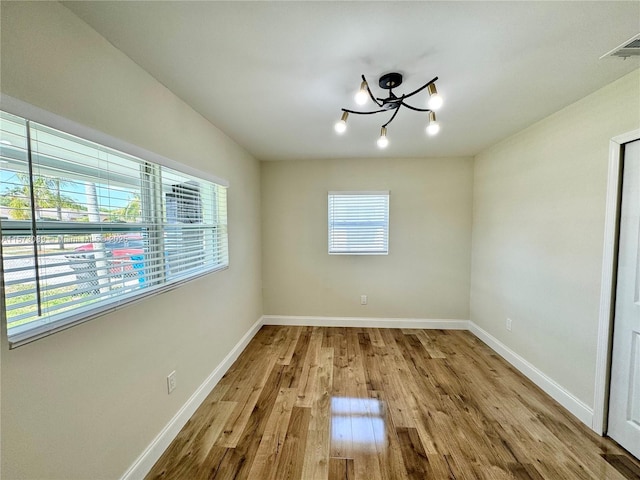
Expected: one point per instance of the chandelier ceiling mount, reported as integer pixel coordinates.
(390, 80)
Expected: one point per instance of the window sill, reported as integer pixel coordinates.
(32, 334)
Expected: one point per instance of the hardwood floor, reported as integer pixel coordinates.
(362, 403)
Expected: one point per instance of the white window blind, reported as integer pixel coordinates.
(86, 228)
(359, 223)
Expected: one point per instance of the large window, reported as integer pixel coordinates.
(359, 223)
(86, 228)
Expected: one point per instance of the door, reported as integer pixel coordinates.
(624, 399)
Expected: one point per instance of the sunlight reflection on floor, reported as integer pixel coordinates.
(357, 425)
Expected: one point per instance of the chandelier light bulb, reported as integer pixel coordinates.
(383, 141)
(362, 96)
(435, 100)
(434, 126)
(341, 125)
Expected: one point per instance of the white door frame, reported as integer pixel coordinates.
(605, 319)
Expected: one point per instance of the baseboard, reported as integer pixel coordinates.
(576, 406)
(156, 448)
(424, 323)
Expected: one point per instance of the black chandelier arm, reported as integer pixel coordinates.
(363, 113)
(392, 117)
(421, 88)
(391, 96)
(415, 109)
(370, 93)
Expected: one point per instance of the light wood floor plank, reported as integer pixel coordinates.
(275, 431)
(291, 460)
(308, 378)
(316, 455)
(293, 372)
(388, 445)
(316, 403)
(246, 398)
(239, 460)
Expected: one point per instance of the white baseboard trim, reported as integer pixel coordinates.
(576, 406)
(156, 448)
(425, 323)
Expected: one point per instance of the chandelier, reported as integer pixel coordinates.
(393, 103)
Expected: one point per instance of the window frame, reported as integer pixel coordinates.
(35, 114)
(331, 248)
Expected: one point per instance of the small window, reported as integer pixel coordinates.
(359, 223)
(86, 228)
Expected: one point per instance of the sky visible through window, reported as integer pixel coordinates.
(118, 198)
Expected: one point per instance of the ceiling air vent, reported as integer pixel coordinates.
(630, 48)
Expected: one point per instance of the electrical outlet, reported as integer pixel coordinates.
(171, 382)
(508, 325)
(363, 300)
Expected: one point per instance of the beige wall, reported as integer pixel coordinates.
(425, 275)
(84, 403)
(538, 229)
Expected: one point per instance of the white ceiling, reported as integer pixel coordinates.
(274, 75)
